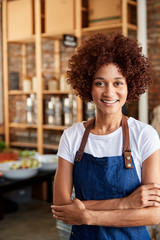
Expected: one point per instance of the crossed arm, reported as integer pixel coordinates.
(141, 207)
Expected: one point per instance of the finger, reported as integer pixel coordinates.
(152, 186)
(156, 192)
(58, 218)
(154, 198)
(153, 204)
(75, 199)
(57, 213)
(148, 190)
(153, 192)
(57, 208)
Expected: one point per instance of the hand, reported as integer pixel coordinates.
(73, 214)
(144, 196)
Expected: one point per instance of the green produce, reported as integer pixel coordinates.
(25, 163)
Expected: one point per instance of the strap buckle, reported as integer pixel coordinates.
(127, 158)
(78, 156)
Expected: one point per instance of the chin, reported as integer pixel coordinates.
(112, 111)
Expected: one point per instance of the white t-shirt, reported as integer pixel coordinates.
(144, 141)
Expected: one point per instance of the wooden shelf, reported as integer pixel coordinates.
(108, 27)
(21, 125)
(20, 92)
(50, 146)
(23, 144)
(45, 126)
(53, 127)
(48, 92)
(57, 34)
(101, 27)
(132, 3)
(132, 27)
(28, 39)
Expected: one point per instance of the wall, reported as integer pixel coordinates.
(153, 21)
(153, 31)
(1, 85)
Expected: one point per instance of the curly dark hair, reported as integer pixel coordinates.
(102, 49)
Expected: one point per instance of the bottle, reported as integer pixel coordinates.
(74, 108)
(51, 111)
(34, 83)
(62, 82)
(20, 116)
(27, 84)
(30, 112)
(64, 86)
(34, 101)
(52, 84)
(58, 111)
(67, 111)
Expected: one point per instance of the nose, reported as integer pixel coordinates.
(108, 90)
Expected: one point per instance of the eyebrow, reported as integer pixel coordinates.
(98, 78)
(121, 78)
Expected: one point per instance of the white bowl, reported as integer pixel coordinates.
(49, 161)
(18, 174)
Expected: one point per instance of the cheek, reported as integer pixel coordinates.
(94, 93)
(124, 92)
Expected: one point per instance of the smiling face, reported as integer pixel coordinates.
(109, 90)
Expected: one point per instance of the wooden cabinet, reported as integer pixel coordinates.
(16, 22)
(36, 31)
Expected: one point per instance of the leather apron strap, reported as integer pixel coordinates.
(126, 143)
(84, 140)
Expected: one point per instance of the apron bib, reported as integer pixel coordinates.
(105, 178)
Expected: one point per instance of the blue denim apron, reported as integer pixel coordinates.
(106, 178)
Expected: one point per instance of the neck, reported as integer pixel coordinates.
(106, 124)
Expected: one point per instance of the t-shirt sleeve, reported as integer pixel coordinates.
(148, 142)
(64, 148)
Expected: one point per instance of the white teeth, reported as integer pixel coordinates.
(109, 101)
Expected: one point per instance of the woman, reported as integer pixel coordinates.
(113, 161)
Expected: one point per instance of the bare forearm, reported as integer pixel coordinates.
(110, 204)
(123, 218)
(144, 196)
(60, 198)
(61, 195)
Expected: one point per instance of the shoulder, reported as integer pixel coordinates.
(140, 127)
(73, 133)
(143, 137)
(75, 128)
(143, 134)
(144, 141)
(70, 141)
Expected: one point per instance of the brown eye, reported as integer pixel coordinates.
(119, 83)
(99, 84)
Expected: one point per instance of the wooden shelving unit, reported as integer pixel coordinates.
(19, 92)
(23, 144)
(54, 127)
(48, 92)
(51, 146)
(37, 38)
(21, 125)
